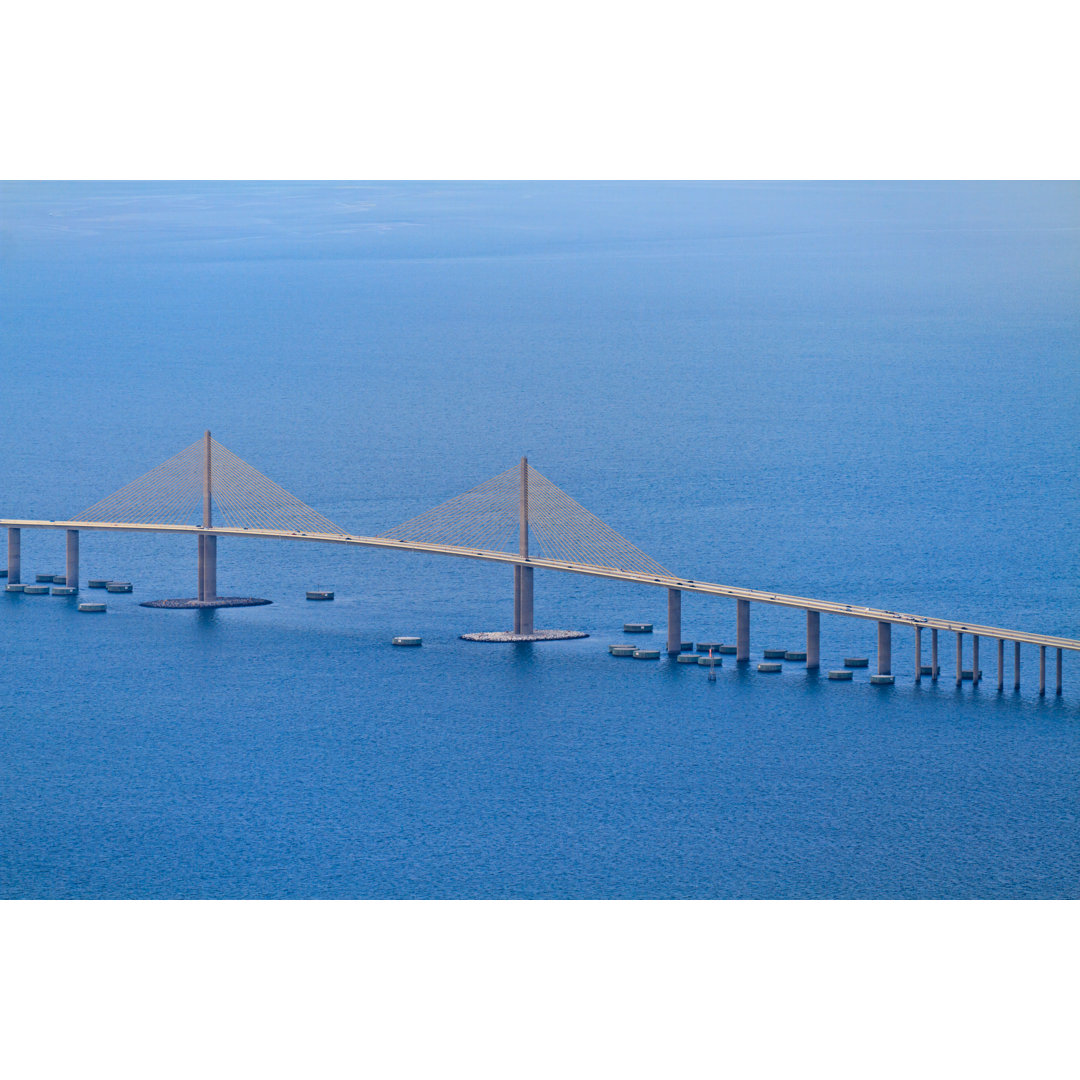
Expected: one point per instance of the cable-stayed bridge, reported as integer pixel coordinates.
(518, 517)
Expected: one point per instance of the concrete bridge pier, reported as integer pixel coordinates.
(1001, 664)
(813, 639)
(71, 570)
(207, 567)
(1016, 665)
(975, 660)
(959, 658)
(933, 654)
(674, 622)
(14, 556)
(742, 631)
(1042, 670)
(1059, 671)
(884, 648)
(524, 614)
(918, 654)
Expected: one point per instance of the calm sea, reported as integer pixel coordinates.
(861, 392)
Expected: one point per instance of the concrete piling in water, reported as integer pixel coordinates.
(1059, 671)
(884, 648)
(14, 556)
(918, 654)
(813, 639)
(1016, 665)
(1001, 664)
(959, 658)
(976, 674)
(1042, 670)
(674, 622)
(933, 654)
(742, 630)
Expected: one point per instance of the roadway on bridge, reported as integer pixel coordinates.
(663, 581)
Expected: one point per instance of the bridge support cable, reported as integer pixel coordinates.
(203, 478)
(521, 512)
(489, 517)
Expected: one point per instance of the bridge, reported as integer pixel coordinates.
(487, 523)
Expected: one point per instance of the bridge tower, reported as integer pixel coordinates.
(523, 575)
(207, 544)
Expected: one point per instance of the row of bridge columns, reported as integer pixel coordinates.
(207, 562)
(14, 557)
(884, 646)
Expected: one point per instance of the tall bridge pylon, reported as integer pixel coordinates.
(204, 481)
(518, 504)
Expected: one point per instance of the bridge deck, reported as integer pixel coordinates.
(668, 582)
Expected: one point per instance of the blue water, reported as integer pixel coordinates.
(862, 392)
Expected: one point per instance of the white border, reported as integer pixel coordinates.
(520, 989)
(229, 89)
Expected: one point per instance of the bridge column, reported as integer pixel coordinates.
(674, 622)
(14, 556)
(742, 630)
(71, 571)
(884, 648)
(517, 599)
(975, 660)
(918, 654)
(1059, 671)
(959, 658)
(1016, 665)
(1042, 670)
(813, 639)
(933, 654)
(526, 617)
(1001, 664)
(210, 568)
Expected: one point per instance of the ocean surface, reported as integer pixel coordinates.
(862, 392)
